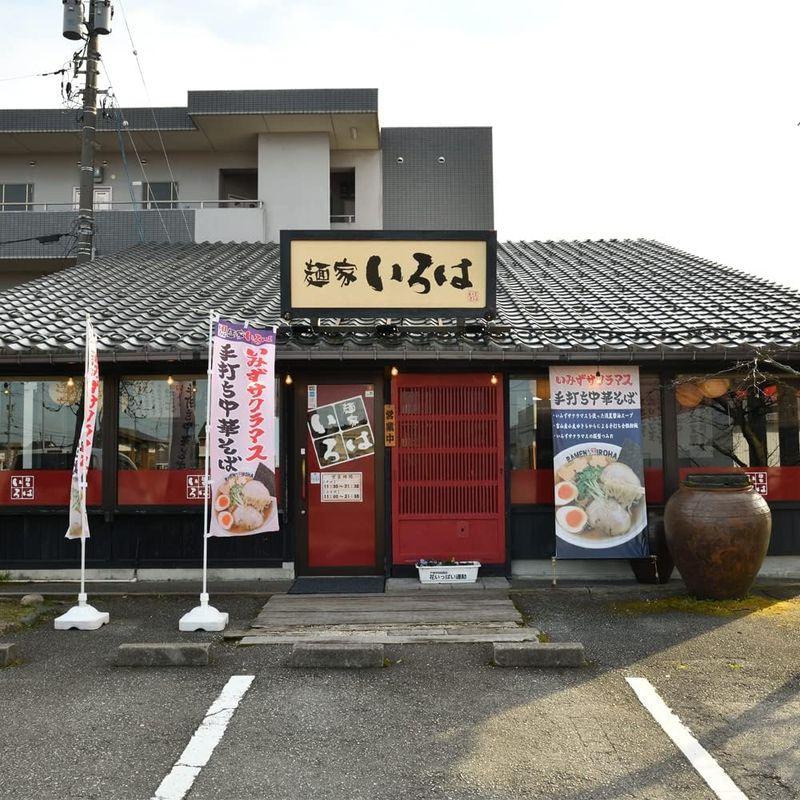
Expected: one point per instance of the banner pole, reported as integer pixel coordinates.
(84, 616)
(207, 465)
(205, 617)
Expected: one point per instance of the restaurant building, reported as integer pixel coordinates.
(441, 407)
(467, 472)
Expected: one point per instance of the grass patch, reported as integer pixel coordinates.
(13, 615)
(5, 577)
(753, 603)
(543, 637)
(527, 618)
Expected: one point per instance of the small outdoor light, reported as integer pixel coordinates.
(6, 390)
(394, 371)
(597, 374)
(288, 379)
(170, 380)
(70, 381)
(493, 380)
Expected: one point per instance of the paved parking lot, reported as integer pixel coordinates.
(439, 722)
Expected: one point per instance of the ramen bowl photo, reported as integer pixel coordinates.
(242, 504)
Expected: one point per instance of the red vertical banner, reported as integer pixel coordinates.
(241, 430)
(78, 519)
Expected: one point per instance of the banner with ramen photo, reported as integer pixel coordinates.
(598, 464)
(241, 430)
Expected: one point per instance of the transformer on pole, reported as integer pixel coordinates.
(90, 25)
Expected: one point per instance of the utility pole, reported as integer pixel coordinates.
(97, 22)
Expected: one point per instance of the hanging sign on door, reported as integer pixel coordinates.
(341, 432)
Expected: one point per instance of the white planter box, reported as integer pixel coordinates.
(450, 573)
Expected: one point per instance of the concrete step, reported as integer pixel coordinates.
(337, 655)
(413, 636)
(164, 654)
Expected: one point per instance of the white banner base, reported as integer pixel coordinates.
(203, 618)
(81, 617)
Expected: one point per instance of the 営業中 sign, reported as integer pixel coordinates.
(372, 273)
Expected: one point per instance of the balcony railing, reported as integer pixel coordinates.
(47, 230)
(139, 205)
(342, 218)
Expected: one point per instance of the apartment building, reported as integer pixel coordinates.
(233, 166)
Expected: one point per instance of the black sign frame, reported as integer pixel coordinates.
(289, 311)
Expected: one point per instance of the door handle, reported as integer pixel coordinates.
(303, 478)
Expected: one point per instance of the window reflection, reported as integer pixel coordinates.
(40, 426)
(736, 422)
(162, 422)
(40, 423)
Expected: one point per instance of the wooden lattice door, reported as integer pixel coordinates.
(448, 493)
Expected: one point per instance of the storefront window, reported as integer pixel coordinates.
(652, 443)
(740, 423)
(40, 424)
(531, 439)
(161, 440)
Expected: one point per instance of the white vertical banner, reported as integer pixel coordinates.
(241, 430)
(78, 519)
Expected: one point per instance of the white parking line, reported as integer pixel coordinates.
(711, 772)
(205, 739)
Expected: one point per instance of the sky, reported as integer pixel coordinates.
(670, 120)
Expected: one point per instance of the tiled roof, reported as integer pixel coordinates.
(284, 101)
(178, 118)
(63, 120)
(630, 297)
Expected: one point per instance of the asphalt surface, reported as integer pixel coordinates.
(439, 722)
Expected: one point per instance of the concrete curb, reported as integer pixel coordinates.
(538, 654)
(335, 655)
(8, 654)
(166, 654)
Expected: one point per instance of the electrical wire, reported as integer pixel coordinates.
(153, 113)
(134, 204)
(135, 150)
(45, 238)
(61, 71)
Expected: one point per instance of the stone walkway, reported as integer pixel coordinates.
(446, 615)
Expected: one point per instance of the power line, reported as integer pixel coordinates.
(135, 149)
(45, 238)
(61, 71)
(152, 111)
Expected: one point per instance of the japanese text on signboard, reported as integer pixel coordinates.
(379, 273)
(341, 432)
(242, 430)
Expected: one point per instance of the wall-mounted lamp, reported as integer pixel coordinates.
(6, 390)
(70, 381)
(31, 163)
(493, 380)
(288, 380)
(170, 380)
(394, 371)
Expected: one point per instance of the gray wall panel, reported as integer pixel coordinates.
(422, 193)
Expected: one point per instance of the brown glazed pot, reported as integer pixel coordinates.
(718, 530)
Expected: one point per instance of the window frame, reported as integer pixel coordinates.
(27, 204)
(151, 203)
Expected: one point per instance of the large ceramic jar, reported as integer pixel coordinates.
(717, 528)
